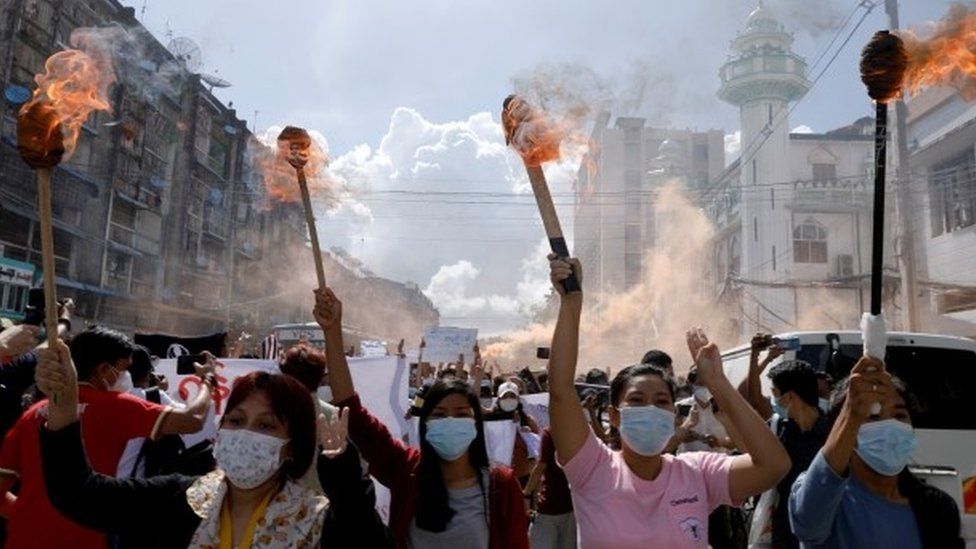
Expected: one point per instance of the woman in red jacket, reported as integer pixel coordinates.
(444, 495)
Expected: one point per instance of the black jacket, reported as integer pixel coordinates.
(156, 509)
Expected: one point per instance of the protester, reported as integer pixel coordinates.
(703, 432)
(554, 526)
(265, 443)
(444, 495)
(802, 430)
(858, 491)
(659, 358)
(307, 365)
(525, 452)
(110, 417)
(825, 384)
(639, 497)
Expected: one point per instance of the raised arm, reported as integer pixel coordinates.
(387, 456)
(190, 418)
(766, 461)
(328, 314)
(569, 428)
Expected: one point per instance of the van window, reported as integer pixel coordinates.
(942, 382)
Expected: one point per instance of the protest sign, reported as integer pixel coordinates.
(444, 343)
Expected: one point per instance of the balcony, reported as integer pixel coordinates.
(841, 194)
(216, 224)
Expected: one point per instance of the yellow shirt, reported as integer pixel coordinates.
(227, 528)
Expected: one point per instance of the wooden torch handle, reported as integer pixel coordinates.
(47, 255)
(550, 221)
(313, 232)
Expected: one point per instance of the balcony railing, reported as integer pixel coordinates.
(850, 192)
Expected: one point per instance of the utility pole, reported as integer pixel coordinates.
(903, 200)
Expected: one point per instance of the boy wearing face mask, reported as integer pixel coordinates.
(858, 491)
(802, 429)
(110, 418)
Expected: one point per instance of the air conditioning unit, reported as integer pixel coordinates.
(843, 265)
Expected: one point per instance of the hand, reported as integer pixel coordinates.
(55, 372)
(870, 384)
(460, 362)
(758, 343)
(590, 403)
(706, 356)
(400, 349)
(162, 382)
(693, 417)
(561, 269)
(328, 309)
(208, 367)
(423, 343)
(17, 340)
(773, 353)
(334, 435)
(66, 308)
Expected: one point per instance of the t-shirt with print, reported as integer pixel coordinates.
(615, 508)
(108, 420)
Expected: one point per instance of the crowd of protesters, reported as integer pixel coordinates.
(93, 454)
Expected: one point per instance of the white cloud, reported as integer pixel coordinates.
(802, 129)
(449, 207)
(733, 146)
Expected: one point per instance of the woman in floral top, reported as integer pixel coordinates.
(265, 444)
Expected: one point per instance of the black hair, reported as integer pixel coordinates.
(447, 372)
(936, 513)
(597, 376)
(141, 365)
(657, 357)
(433, 508)
(98, 345)
(636, 370)
(796, 376)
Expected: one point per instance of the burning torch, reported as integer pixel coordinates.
(41, 145)
(883, 65)
(294, 143)
(537, 140)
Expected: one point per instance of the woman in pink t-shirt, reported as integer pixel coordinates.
(639, 496)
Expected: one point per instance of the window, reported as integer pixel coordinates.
(937, 401)
(13, 297)
(810, 242)
(951, 197)
(824, 172)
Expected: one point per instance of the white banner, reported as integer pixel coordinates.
(380, 381)
(500, 441)
(371, 348)
(445, 343)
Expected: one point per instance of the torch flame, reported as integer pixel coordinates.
(947, 58)
(276, 164)
(535, 134)
(74, 83)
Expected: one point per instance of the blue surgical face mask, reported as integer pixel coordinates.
(886, 445)
(451, 436)
(646, 429)
(823, 404)
(777, 407)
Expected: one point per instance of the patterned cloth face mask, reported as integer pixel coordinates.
(246, 457)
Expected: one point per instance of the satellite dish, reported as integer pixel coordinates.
(187, 52)
(214, 81)
(231, 130)
(148, 65)
(113, 123)
(157, 182)
(17, 95)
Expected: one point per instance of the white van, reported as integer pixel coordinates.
(940, 372)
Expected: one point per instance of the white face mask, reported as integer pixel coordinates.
(508, 404)
(123, 383)
(324, 392)
(246, 457)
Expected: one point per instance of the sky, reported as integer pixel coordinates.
(407, 96)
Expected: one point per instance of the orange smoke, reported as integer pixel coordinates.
(74, 84)
(536, 135)
(947, 58)
(278, 175)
